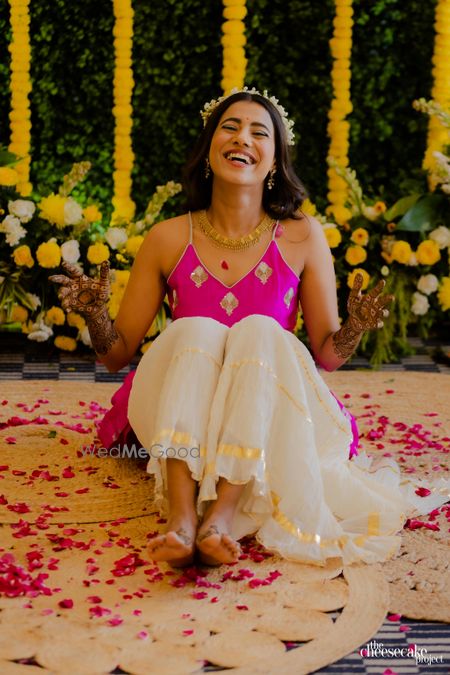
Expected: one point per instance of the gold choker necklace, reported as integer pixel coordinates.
(234, 244)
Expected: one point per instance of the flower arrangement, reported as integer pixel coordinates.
(341, 106)
(38, 233)
(233, 43)
(408, 244)
(124, 206)
(20, 88)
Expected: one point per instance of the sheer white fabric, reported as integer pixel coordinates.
(247, 403)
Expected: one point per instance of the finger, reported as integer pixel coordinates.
(104, 272)
(63, 292)
(357, 284)
(73, 270)
(376, 290)
(380, 324)
(59, 279)
(384, 300)
(385, 313)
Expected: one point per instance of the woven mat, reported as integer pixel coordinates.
(84, 521)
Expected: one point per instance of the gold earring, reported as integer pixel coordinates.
(207, 168)
(271, 181)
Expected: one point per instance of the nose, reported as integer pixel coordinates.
(243, 136)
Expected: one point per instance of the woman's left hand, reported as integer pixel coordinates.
(367, 312)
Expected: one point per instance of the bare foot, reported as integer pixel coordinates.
(217, 547)
(175, 547)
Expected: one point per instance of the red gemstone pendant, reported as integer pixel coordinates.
(224, 264)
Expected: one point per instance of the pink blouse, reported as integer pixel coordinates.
(269, 288)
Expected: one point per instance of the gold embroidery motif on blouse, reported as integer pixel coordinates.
(288, 297)
(229, 303)
(263, 272)
(199, 276)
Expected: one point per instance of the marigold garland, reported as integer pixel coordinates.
(338, 127)
(437, 134)
(233, 42)
(124, 206)
(20, 88)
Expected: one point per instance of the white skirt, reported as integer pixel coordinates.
(247, 403)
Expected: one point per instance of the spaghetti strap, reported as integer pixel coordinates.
(190, 227)
(274, 229)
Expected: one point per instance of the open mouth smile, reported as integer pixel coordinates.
(239, 158)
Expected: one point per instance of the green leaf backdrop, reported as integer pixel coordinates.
(177, 62)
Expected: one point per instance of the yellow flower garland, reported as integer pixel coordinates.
(124, 206)
(20, 88)
(338, 127)
(233, 42)
(437, 134)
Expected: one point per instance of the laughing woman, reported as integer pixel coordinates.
(244, 436)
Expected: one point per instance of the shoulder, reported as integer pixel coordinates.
(302, 230)
(165, 242)
(170, 230)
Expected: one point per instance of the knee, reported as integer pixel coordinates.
(256, 324)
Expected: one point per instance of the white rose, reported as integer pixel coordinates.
(85, 337)
(115, 237)
(40, 332)
(428, 283)
(445, 187)
(13, 230)
(385, 270)
(441, 235)
(23, 209)
(420, 304)
(34, 300)
(412, 262)
(70, 251)
(73, 212)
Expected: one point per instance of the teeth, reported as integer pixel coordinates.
(236, 155)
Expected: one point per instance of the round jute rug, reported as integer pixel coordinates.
(85, 521)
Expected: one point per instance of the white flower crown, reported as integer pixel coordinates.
(287, 123)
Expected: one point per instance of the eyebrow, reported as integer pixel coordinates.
(239, 121)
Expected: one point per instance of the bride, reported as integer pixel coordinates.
(242, 433)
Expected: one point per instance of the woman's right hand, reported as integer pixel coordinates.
(80, 293)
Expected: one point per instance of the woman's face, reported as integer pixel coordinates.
(242, 148)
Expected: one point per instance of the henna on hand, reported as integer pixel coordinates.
(366, 312)
(80, 293)
(88, 297)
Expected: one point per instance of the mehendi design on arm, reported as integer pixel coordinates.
(366, 312)
(102, 331)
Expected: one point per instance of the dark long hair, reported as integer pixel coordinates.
(288, 192)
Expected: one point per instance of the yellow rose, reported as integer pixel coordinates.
(236, 12)
(299, 322)
(341, 213)
(18, 314)
(52, 209)
(308, 207)
(120, 279)
(360, 236)
(133, 244)
(22, 256)
(92, 213)
(55, 315)
(333, 236)
(428, 252)
(352, 275)
(65, 343)
(76, 320)
(355, 255)
(97, 253)
(48, 254)
(8, 176)
(401, 252)
(444, 293)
